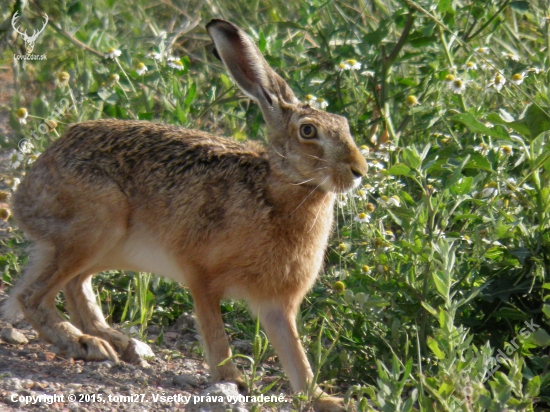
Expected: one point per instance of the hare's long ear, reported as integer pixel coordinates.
(250, 71)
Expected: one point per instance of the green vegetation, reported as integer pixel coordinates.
(438, 273)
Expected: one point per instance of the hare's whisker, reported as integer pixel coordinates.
(275, 150)
(323, 160)
(310, 193)
(305, 181)
(321, 207)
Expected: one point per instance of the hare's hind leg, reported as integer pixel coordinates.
(53, 267)
(86, 314)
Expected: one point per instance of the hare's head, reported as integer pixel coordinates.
(308, 146)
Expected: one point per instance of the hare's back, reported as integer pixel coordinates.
(139, 154)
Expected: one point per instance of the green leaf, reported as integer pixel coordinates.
(146, 116)
(180, 114)
(190, 94)
(399, 169)
(463, 186)
(478, 162)
(522, 6)
(411, 157)
(444, 6)
(534, 122)
(442, 283)
(432, 344)
(540, 338)
(537, 120)
(533, 387)
(517, 126)
(430, 310)
(475, 126)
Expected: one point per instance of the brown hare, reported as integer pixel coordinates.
(229, 220)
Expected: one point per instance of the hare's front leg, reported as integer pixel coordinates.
(209, 317)
(279, 322)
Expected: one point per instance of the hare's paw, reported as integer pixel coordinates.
(89, 348)
(230, 373)
(327, 403)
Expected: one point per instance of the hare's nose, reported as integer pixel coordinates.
(356, 172)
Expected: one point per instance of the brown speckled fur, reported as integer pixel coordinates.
(226, 219)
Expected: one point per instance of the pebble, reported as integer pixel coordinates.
(10, 335)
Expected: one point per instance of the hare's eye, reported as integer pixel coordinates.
(308, 131)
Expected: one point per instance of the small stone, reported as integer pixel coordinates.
(12, 384)
(10, 335)
(219, 389)
(185, 381)
(74, 385)
(16, 402)
(49, 356)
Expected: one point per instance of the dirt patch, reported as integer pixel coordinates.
(176, 371)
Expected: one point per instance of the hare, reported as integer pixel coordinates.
(229, 220)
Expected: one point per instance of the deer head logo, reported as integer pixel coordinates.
(29, 40)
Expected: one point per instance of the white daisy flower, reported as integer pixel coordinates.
(113, 79)
(342, 66)
(311, 100)
(154, 55)
(16, 158)
(353, 64)
(469, 66)
(361, 194)
(362, 218)
(176, 64)
(388, 202)
(506, 150)
(489, 190)
(482, 49)
(25, 146)
(364, 150)
(22, 114)
(457, 86)
(321, 103)
(14, 183)
(510, 56)
(141, 69)
(482, 148)
(367, 73)
(535, 70)
(376, 164)
(497, 82)
(112, 53)
(341, 199)
(467, 239)
(518, 78)
(369, 188)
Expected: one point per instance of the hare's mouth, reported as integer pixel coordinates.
(339, 185)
